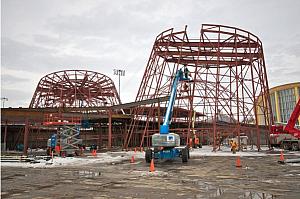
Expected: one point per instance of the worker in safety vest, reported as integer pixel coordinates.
(196, 141)
(186, 72)
(233, 145)
(191, 142)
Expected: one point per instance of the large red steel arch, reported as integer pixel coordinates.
(228, 76)
(75, 88)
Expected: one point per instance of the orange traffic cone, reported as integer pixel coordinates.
(238, 162)
(281, 156)
(94, 153)
(152, 169)
(57, 149)
(132, 159)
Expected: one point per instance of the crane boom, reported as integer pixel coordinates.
(290, 127)
(287, 137)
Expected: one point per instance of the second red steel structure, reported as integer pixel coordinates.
(228, 90)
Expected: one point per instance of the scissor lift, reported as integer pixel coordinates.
(68, 132)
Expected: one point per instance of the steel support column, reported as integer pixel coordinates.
(5, 136)
(26, 136)
(109, 128)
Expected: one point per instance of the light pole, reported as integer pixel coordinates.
(119, 73)
(3, 99)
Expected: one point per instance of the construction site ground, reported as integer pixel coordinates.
(204, 176)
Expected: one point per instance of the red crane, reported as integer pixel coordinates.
(290, 127)
(287, 137)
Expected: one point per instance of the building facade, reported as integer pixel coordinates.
(283, 101)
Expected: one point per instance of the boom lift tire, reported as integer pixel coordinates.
(286, 146)
(148, 155)
(295, 147)
(184, 155)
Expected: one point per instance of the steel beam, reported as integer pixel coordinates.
(5, 136)
(208, 44)
(26, 135)
(203, 53)
(109, 129)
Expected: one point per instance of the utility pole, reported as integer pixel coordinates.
(119, 73)
(3, 99)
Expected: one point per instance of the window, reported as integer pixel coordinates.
(273, 105)
(287, 101)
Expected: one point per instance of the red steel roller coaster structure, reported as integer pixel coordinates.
(75, 88)
(228, 75)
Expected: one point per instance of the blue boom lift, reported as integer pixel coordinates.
(167, 145)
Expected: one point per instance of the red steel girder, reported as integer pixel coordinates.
(208, 54)
(208, 44)
(208, 62)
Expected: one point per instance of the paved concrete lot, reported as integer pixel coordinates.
(204, 177)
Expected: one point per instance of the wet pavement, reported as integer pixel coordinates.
(205, 177)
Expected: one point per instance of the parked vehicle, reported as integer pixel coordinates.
(287, 137)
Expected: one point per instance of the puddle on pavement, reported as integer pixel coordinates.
(204, 185)
(87, 174)
(210, 190)
(45, 186)
(257, 195)
(117, 185)
(12, 177)
(213, 192)
(12, 192)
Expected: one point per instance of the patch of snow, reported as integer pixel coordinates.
(103, 158)
(123, 156)
(226, 151)
(290, 174)
(155, 173)
(295, 165)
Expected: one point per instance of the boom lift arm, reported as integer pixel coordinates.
(164, 128)
(167, 145)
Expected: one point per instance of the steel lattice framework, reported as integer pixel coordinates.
(75, 88)
(228, 76)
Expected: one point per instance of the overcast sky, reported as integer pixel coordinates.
(39, 37)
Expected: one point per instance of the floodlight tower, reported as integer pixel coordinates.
(4, 99)
(119, 73)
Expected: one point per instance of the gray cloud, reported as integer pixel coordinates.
(19, 97)
(10, 79)
(40, 37)
(18, 55)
